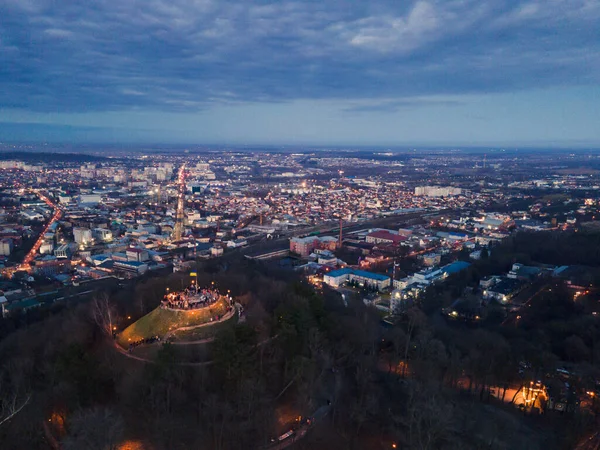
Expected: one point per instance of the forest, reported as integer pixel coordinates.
(422, 383)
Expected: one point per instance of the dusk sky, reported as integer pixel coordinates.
(465, 72)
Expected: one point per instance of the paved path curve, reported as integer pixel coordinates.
(199, 341)
(150, 361)
(227, 316)
(198, 364)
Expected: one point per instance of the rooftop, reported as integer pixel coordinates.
(360, 273)
(455, 267)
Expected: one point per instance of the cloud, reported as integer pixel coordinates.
(422, 25)
(58, 33)
(186, 55)
(393, 105)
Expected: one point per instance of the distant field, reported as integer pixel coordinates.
(160, 321)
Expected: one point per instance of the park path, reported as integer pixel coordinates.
(228, 315)
(150, 361)
(197, 342)
(124, 352)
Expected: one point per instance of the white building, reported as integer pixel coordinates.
(11, 164)
(237, 243)
(32, 215)
(137, 254)
(216, 251)
(427, 277)
(431, 259)
(327, 260)
(492, 221)
(89, 199)
(47, 247)
(437, 191)
(64, 251)
(397, 301)
(338, 277)
(476, 255)
(82, 236)
(402, 284)
(103, 234)
(6, 247)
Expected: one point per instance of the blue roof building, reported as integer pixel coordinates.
(341, 276)
(340, 272)
(370, 275)
(455, 267)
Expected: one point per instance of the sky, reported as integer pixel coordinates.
(331, 72)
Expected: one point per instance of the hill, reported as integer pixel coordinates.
(162, 321)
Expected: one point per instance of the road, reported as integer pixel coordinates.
(29, 257)
(26, 264)
(225, 318)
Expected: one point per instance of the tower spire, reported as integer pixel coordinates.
(178, 231)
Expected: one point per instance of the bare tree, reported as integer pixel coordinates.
(13, 394)
(416, 319)
(103, 313)
(12, 403)
(429, 417)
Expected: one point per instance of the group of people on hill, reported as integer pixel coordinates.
(139, 342)
(190, 298)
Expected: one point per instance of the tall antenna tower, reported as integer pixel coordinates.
(178, 231)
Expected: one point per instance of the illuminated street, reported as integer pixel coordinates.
(26, 264)
(293, 225)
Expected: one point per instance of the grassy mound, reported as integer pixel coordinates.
(198, 334)
(160, 321)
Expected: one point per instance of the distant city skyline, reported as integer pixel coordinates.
(419, 73)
